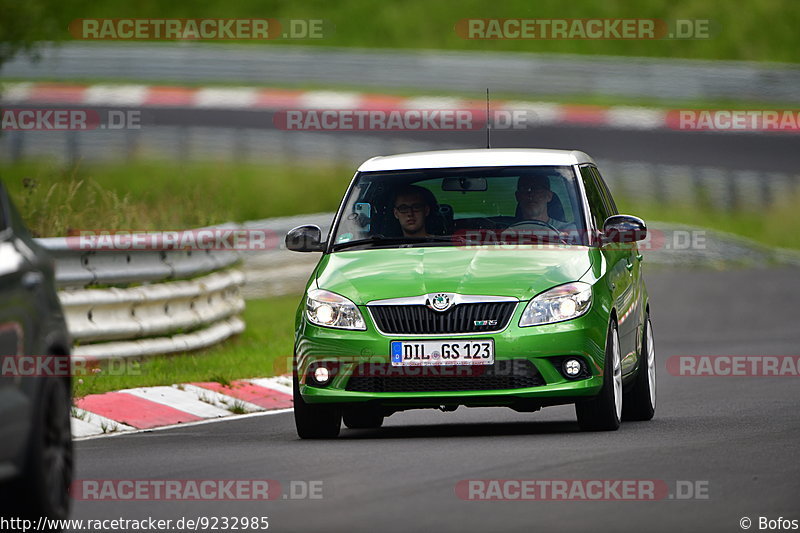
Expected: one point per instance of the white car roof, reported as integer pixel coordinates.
(486, 157)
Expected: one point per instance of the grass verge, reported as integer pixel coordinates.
(749, 29)
(263, 350)
(774, 226)
(56, 200)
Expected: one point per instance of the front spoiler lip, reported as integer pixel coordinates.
(580, 389)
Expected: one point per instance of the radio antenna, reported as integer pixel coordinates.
(488, 124)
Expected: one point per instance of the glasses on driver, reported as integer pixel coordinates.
(406, 209)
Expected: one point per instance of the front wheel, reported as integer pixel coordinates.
(640, 402)
(315, 421)
(43, 488)
(604, 412)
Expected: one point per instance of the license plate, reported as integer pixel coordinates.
(430, 353)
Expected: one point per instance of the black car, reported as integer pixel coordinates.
(35, 438)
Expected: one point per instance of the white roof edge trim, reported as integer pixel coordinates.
(492, 157)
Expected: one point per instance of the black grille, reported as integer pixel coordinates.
(378, 377)
(419, 319)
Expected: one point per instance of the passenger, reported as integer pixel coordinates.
(411, 209)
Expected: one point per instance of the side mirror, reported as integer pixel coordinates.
(305, 239)
(624, 228)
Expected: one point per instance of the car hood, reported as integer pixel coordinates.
(376, 274)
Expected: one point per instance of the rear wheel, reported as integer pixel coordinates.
(603, 412)
(363, 418)
(315, 421)
(640, 402)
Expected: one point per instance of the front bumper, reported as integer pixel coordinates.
(544, 346)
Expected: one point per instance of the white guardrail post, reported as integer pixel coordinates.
(134, 303)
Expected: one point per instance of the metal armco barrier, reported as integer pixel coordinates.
(180, 300)
(77, 267)
(181, 342)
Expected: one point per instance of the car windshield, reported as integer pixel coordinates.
(458, 206)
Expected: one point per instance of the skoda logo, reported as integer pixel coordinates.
(440, 302)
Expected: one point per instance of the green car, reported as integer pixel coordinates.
(493, 277)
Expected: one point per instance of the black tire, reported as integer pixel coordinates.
(602, 413)
(43, 488)
(639, 403)
(315, 421)
(363, 418)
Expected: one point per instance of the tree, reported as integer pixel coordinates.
(26, 24)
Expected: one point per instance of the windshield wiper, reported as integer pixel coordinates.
(380, 239)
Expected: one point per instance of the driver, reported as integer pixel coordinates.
(411, 209)
(533, 194)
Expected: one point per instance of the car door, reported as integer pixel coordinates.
(630, 325)
(619, 276)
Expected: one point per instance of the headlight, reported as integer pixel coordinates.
(564, 302)
(328, 309)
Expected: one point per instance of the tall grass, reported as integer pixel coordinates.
(56, 200)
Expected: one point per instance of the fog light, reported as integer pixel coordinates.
(321, 375)
(572, 368)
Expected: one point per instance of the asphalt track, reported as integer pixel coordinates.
(739, 435)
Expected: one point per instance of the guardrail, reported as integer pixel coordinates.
(83, 268)
(169, 300)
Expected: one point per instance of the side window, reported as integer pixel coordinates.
(597, 207)
(611, 207)
(559, 188)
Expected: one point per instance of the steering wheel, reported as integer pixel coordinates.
(522, 224)
(537, 222)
